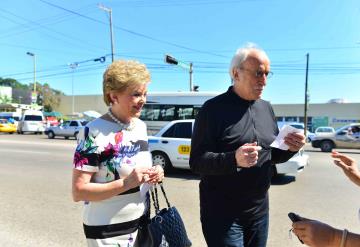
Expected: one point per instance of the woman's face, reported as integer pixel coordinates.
(129, 103)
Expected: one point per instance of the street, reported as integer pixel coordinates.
(37, 208)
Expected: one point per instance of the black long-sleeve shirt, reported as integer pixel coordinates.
(223, 124)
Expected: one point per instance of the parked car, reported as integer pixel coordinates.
(66, 129)
(7, 127)
(342, 138)
(324, 130)
(170, 148)
(31, 121)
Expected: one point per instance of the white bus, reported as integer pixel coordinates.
(161, 108)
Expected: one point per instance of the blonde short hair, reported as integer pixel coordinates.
(123, 74)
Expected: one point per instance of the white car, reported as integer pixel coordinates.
(170, 148)
(67, 129)
(324, 130)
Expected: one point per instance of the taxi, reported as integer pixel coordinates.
(170, 148)
(7, 127)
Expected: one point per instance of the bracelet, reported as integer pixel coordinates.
(343, 238)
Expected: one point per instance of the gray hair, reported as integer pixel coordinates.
(241, 55)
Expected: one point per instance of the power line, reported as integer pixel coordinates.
(49, 29)
(133, 32)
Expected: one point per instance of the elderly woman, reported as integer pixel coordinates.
(112, 163)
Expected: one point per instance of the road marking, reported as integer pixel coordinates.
(23, 151)
(38, 143)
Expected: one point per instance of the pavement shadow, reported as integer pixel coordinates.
(345, 151)
(183, 174)
(282, 180)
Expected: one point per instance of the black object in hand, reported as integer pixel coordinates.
(294, 218)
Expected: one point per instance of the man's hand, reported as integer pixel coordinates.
(295, 141)
(247, 155)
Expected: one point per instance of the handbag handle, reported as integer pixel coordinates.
(155, 197)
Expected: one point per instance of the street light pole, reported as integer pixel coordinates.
(306, 94)
(109, 10)
(191, 79)
(73, 66)
(34, 61)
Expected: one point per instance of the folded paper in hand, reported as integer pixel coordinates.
(279, 142)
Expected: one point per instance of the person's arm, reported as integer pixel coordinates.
(203, 159)
(318, 234)
(348, 165)
(85, 190)
(280, 156)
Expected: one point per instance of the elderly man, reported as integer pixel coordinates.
(231, 151)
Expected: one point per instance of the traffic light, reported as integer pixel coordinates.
(170, 60)
(100, 59)
(39, 99)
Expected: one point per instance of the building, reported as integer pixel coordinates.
(327, 114)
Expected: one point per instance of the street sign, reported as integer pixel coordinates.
(33, 97)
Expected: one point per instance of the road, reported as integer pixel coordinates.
(36, 208)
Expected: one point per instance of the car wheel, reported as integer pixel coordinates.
(76, 135)
(51, 135)
(160, 158)
(326, 146)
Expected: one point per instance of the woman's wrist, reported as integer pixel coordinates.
(337, 235)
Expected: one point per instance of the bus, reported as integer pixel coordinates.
(162, 108)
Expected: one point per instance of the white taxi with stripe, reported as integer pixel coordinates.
(171, 146)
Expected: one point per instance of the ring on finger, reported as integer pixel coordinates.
(146, 177)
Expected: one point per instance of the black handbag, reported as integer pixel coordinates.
(166, 228)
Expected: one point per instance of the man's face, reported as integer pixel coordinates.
(250, 78)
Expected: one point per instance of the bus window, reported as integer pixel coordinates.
(185, 112)
(167, 113)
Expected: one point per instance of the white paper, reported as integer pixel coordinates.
(279, 142)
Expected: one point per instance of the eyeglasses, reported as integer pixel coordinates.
(259, 73)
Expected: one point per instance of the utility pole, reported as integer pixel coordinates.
(306, 94)
(34, 62)
(191, 79)
(73, 66)
(109, 10)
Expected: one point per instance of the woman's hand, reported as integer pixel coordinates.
(348, 165)
(138, 176)
(316, 234)
(157, 174)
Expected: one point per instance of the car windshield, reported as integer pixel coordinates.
(298, 126)
(33, 118)
(325, 130)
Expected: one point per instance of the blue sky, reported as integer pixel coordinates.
(205, 32)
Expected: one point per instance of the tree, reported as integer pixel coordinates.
(48, 97)
(5, 99)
